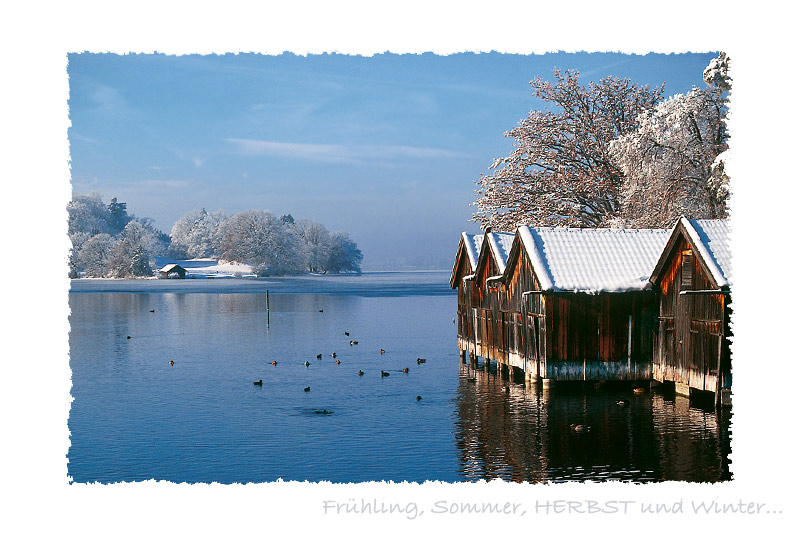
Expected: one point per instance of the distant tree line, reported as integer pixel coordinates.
(108, 242)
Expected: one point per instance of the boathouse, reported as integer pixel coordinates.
(172, 270)
(568, 304)
(488, 255)
(692, 279)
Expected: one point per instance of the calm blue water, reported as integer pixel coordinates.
(136, 417)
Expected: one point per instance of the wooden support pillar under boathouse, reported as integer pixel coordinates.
(268, 309)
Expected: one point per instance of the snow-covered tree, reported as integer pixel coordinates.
(672, 161)
(259, 239)
(118, 215)
(95, 255)
(315, 243)
(344, 254)
(88, 215)
(560, 172)
(130, 256)
(197, 235)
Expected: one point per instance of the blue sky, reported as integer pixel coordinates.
(386, 148)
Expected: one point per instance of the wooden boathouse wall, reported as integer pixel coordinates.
(693, 347)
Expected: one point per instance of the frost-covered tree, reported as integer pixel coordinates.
(130, 256)
(344, 254)
(259, 239)
(560, 172)
(197, 235)
(118, 215)
(315, 243)
(95, 255)
(86, 214)
(672, 161)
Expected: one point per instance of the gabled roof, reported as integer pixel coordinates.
(471, 245)
(592, 261)
(498, 244)
(709, 238)
(168, 267)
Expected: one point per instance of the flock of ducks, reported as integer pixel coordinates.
(580, 429)
(307, 389)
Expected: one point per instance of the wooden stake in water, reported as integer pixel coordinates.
(268, 309)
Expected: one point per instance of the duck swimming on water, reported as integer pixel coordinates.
(171, 362)
(384, 373)
(259, 383)
(307, 389)
(360, 372)
(274, 363)
(580, 428)
(420, 360)
(307, 364)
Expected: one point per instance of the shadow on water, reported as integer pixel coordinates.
(515, 431)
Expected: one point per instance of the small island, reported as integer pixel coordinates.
(107, 242)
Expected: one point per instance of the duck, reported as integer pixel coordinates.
(383, 351)
(307, 364)
(638, 390)
(128, 337)
(347, 333)
(360, 372)
(580, 428)
(333, 355)
(172, 362)
(405, 370)
(319, 356)
(307, 389)
(354, 343)
(323, 412)
(623, 402)
(419, 398)
(152, 311)
(420, 360)
(384, 373)
(259, 383)
(320, 311)
(338, 362)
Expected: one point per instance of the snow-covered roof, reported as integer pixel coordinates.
(472, 242)
(710, 237)
(593, 260)
(168, 267)
(500, 243)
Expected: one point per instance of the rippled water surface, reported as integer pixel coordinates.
(136, 417)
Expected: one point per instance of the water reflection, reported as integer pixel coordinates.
(520, 432)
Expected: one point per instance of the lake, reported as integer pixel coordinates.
(136, 417)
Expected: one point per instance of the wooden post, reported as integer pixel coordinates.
(267, 308)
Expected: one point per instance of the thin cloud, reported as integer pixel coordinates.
(332, 153)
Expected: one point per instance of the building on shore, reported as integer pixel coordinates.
(594, 304)
(172, 270)
(692, 282)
